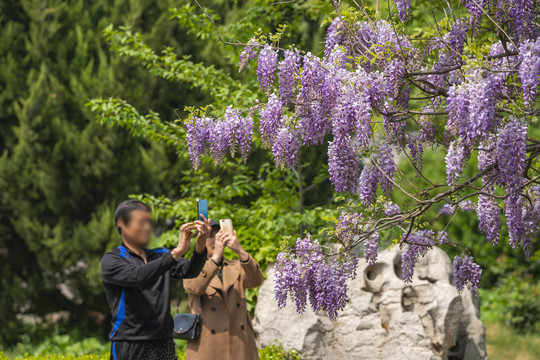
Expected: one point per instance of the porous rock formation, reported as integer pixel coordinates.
(385, 317)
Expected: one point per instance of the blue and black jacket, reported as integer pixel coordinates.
(138, 292)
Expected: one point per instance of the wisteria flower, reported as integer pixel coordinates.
(447, 209)
(419, 242)
(268, 58)
(248, 54)
(271, 120)
(466, 273)
(391, 209)
(371, 248)
(289, 71)
(285, 148)
(367, 186)
(467, 206)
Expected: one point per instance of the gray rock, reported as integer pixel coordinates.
(385, 317)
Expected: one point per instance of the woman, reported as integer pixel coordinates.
(217, 294)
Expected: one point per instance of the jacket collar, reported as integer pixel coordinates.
(231, 272)
(125, 252)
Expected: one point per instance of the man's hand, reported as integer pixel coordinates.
(219, 246)
(186, 233)
(234, 244)
(203, 228)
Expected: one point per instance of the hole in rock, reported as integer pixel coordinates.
(397, 267)
(373, 271)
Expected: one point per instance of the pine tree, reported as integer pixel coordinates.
(61, 174)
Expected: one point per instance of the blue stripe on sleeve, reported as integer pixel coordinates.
(160, 250)
(113, 350)
(120, 314)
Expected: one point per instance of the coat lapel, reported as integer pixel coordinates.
(216, 283)
(231, 272)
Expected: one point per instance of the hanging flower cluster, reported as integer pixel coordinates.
(307, 275)
(419, 243)
(376, 98)
(215, 137)
(466, 273)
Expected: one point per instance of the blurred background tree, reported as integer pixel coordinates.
(61, 174)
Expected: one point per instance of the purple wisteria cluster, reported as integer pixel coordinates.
(529, 69)
(215, 137)
(376, 99)
(404, 9)
(455, 159)
(447, 209)
(308, 276)
(391, 209)
(417, 244)
(270, 123)
(472, 107)
(289, 71)
(371, 248)
(347, 226)
(489, 219)
(285, 148)
(335, 35)
(369, 178)
(466, 273)
(248, 54)
(268, 58)
(450, 48)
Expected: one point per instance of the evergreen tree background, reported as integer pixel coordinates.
(61, 173)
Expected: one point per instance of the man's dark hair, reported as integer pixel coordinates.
(124, 209)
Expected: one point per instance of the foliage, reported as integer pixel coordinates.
(515, 302)
(277, 352)
(63, 344)
(260, 222)
(62, 347)
(56, 357)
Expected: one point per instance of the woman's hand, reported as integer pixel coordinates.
(186, 233)
(204, 228)
(219, 246)
(234, 244)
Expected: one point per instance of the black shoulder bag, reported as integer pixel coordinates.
(186, 326)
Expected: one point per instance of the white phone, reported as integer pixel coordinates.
(226, 226)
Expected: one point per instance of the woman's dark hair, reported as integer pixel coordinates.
(124, 209)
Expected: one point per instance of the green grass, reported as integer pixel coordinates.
(54, 357)
(505, 343)
(272, 352)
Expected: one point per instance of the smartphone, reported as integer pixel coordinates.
(226, 226)
(202, 208)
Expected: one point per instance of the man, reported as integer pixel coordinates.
(137, 283)
(217, 294)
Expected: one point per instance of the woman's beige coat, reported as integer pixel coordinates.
(226, 331)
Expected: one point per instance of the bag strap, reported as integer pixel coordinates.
(179, 296)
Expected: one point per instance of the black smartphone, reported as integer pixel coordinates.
(202, 208)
